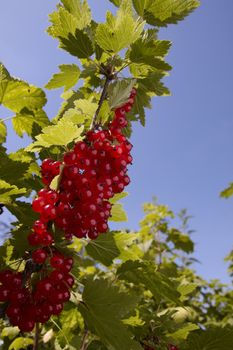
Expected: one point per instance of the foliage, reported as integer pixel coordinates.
(133, 290)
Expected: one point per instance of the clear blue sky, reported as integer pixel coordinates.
(184, 155)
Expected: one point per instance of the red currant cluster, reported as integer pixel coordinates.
(26, 306)
(92, 173)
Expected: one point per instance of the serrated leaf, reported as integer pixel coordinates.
(63, 24)
(118, 214)
(9, 192)
(183, 332)
(213, 338)
(118, 32)
(80, 10)
(119, 92)
(142, 101)
(10, 167)
(185, 289)
(103, 249)
(25, 121)
(78, 44)
(163, 12)
(71, 318)
(160, 285)
(127, 246)
(150, 54)
(152, 84)
(68, 77)
(103, 312)
(181, 241)
(3, 132)
(86, 107)
(61, 134)
(18, 95)
(105, 113)
(21, 343)
(118, 196)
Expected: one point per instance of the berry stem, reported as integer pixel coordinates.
(101, 101)
(84, 344)
(36, 337)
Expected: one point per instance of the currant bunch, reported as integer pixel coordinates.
(26, 305)
(92, 173)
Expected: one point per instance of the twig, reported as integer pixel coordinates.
(36, 337)
(101, 101)
(84, 338)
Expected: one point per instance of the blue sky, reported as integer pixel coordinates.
(184, 155)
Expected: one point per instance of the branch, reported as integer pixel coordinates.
(36, 337)
(101, 101)
(84, 338)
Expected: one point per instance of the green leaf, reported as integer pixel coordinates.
(18, 95)
(181, 241)
(185, 289)
(105, 113)
(228, 192)
(80, 10)
(61, 134)
(10, 332)
(163, 12)
(78, 45)
(183, 332)
(21, 343)
(68, 77)
(54, 185)
(103, 308)
(144, 273)
(118, 196)
(86, 107)
(118, 32)
(116, 2)
(142, 101)
(126, 243)
(103, 249)
(144, 49)
(10, 192)
(25, 121)
(3, 132)
(63, 24)
(152, 84)
(213, 338)
(71, 318)
(96, 345)
(150, 52)
(118, 213)
(119, 92)
(9, 168)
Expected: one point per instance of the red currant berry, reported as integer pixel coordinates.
(39, 256)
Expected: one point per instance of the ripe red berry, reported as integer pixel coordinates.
(38, 204)
(26, 325)
(57, 261)
(39, 256)
(49, 212)
(4, 293)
